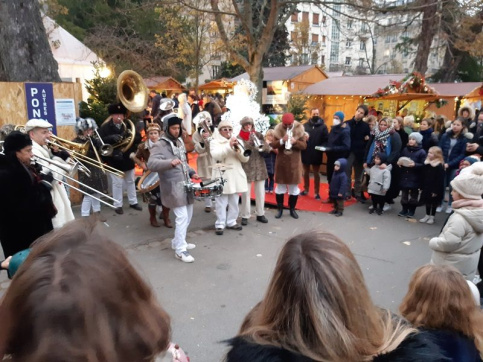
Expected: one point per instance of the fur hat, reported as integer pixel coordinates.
(36, 123)
(153, 126)
(83, 124)
(288, 118)
(418, 137)
(225, 123)
(469, 183)
(340, 115)
(117, 108)
(166, 104)
(15, 141)
(170, 120)
(246, 120)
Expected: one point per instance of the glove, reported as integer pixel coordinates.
(47, 177)
(63, 154)
(112, 139)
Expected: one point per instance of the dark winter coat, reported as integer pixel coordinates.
(119, 160)
(359, 130)
(270, 159)
(478, 138)
(454, 345)
(430, 139)
(97, 179)
(415, 348)
(404, 138)
(393, 149)
(255, 167)
(318, 136)
(411, 176)
(288, 167)
(432, 183)
(27, 208)
(340, 182)
(457, 153)
(339, 142)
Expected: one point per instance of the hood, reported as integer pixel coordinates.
(343, 164)
(474, 217)
(468, 108)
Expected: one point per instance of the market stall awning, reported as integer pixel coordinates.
(222, 84)
(164, 84)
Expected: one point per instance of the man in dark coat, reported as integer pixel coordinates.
(155, 101)
(112, 132)
(28, 209)
(318, 135)
(360, 132)
(475, 146)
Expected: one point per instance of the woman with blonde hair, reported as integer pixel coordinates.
(317, 308)
(440, 302)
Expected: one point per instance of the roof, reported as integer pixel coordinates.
(455, 89)
(222, 83)
(364, 85)
(158, 81)
(279, 73)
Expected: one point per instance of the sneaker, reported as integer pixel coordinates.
(338, 214)
(430, 220)
(304, 193)
(219, 231)
(424, 219)
(371, 207)
(449, 210)
(136, 207)
(189, 246)
(262, 219)
(185, 257)
(410, 215)
(244, 221)
(439, 208)
(403, 213)
(317, 196)
(119, 210)
(387, 207)
(235, 227)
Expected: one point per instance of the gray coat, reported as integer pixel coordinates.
(379, 179)
(255, 167)
(172, 178)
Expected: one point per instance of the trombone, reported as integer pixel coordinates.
(67, 168)
(78, 152)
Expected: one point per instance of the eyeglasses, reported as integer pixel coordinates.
(226, 129)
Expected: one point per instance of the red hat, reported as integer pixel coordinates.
(288, 118)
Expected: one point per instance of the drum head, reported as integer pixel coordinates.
(148, 182)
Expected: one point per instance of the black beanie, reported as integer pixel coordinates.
(117, 109)
(15, 141)
(382, 156)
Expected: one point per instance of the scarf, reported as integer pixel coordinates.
(246, 135)
(426, 137)
(380, 140)
(433, 163)
(456, 204)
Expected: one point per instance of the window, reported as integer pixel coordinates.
(361, 62)
(324, 19)
(335, 31)
(334, 52)
(348, 43)
(349, 24)
(323, 39)
(364, 27)
(314, 57)
(394, 38)
(305, 59)
(315, 38)
(347, 60)
(295, 17)
(388, 38)
(362, 46)
(322, 59)
(305, 16)
(315, 19)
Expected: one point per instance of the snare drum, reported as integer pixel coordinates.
(206, 192)
(148, 182)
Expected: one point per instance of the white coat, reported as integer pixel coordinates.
(460, 241)
(58, 192)
(222, 153)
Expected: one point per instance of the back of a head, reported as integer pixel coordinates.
(78, 298)
(317, 283)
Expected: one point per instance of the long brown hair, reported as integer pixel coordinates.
(439, 298)
(78, 298)
(317, 305)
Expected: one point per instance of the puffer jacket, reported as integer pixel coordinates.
(461, 239)
(411, 176)
(457, 153)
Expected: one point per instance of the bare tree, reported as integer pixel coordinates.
(25, 53)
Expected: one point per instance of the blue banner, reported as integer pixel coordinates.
(40, 102)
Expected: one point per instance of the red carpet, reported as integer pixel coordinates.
(307, 203)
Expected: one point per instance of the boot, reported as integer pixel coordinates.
(152, 216)
(279, 198)
(167, 221)
(292, 201)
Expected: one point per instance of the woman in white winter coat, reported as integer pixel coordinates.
(184, 112)
(461, 239)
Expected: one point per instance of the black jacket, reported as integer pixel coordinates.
(359, 130)
(415, 348)
(27, 208)
(318, 136)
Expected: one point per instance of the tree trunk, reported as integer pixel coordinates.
(255, 73)
(428, 31)
(25, 53)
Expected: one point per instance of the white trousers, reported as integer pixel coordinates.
(224, 217)
(259, 187)
(118, 185)
(292, 189)
(88, 202)
(208, 202)
(183, 218)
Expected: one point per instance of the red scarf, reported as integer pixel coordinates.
(246, 135)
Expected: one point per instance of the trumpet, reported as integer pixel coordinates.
(288, 144)
(205, 129)
(240, 148)
(66, 168)
(106, 150)
(256, 142)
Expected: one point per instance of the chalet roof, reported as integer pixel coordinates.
(170, 83)
(455, 89)
(279, 73)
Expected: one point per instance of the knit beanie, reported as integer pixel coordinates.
(471, 159)
(288, 118)
(340, 115)
(16, 141)
(418, 137)
(337, 163)
(469, 183)
(382, 156)
(225, 123)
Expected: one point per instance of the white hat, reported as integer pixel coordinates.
(36, 123)
(166, 104)
(469, 183)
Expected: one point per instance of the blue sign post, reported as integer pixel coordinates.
(40, 102)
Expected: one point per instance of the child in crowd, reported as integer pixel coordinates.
(379, 182)
(270, 162)
(433, 183)
(411, 163)
(466, 162)
(338, 186)
(440, 303)
(461, 239)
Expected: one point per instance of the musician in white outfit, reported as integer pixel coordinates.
(39, 132)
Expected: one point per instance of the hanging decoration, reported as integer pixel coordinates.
(412, 83)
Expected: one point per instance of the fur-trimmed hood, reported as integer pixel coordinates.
(298, 130)
(468, 108)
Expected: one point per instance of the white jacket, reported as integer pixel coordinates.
(461, 239)
(58, 192)
(222, 152)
